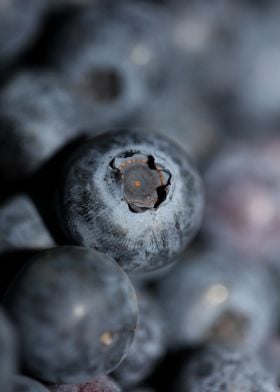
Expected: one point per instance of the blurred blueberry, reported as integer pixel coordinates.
(133, 195)
(242, 191)
(39, 113)
(19, 22)
(26, 384)
(148, 345)
(21, 226)
(257, 62)
(100, 384)
(216, 369)
(218, 297)
(116, 54)
(184, 118)
(7, 354)
(75, 312)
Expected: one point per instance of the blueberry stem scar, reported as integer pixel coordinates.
(144, 182)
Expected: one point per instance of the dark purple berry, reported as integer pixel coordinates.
(75, 312)
(101, 384)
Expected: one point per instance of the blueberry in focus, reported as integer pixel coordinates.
(100, 384)
(7, 354)
(26, 384)
(75, 313)
(21, 226)
(39, 113)
(217, 369)
(216, 296)
(148, 346)
(132, 195)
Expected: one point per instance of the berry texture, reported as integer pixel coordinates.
(101, 384)
(21, 226)
(217, 297)
(39, 113)
(216, 369)
(75, 312)
(148, 345)
(26, 384)
(134, 196)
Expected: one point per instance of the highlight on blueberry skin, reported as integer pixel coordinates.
(133, 195)
(75, 313)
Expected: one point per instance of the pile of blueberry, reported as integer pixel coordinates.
(140, 196)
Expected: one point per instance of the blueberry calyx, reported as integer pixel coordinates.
(144, 182)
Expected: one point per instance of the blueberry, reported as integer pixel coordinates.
(133, 195)
(19, 21)
(216, 369)
(257, 86)
(75, 312)
(184, 118)
(219, 297)
(39, 113)
(101, 384)
(26, 384)
(148, 345)
(115, 53)
(242, 190)
(21, 226)
(7, 354)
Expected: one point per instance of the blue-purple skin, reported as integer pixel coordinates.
(117, 54)
(245, 215)
(27, 384)
(21, 226)
(148, 346)
(19, 22)
(100, 384)
(216, 296)
(39, 113)
(75, 312)
(217, 369)
(7, 354)
(95, 210)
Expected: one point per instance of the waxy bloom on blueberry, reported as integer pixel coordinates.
(132, 195)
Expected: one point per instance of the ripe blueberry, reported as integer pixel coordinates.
(133, 195)
(39, 113)
(75, 313)
(21, 226)
(218, 297)
(217, 369)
